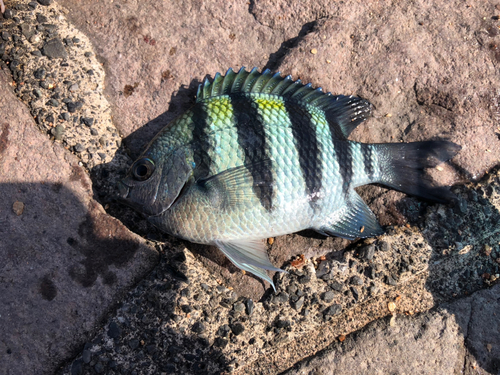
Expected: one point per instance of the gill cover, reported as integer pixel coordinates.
(151, 186)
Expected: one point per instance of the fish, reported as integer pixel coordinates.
(260, 155)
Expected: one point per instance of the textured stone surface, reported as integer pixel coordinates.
(483, 335)
(156, 53)
(65, 262)
(458, 337)
(428, 69)
(431, 343)
(431, 71)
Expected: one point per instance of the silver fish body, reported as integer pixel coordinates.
(260, 156)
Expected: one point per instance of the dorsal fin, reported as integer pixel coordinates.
(345, 112)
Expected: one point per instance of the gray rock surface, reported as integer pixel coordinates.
(430, 69)
(65, 262)
(459, 337)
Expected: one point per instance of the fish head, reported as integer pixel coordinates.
(154, 181)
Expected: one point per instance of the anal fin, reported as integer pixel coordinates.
(249, 255)
(356, 221)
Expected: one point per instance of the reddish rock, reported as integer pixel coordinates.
(156, 53)
(429, 69)
(65, 262)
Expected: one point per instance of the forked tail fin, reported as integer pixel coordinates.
(401, 167)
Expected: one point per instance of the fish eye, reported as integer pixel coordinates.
(143, 169)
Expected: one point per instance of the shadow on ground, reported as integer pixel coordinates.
(64, 264)
(470, 223)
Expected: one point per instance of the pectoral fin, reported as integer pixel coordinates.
(357, 221)
(249, 255)
(239, 185)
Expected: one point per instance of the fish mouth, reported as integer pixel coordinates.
(126, 196)
(123, 190)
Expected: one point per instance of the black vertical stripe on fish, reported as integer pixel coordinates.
(367, 160)
(202, 145)
(304, 134)
(252, 139)
(343, 153)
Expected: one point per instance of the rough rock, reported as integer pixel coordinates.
(54, 49)
(431, 71)
(408, 61)
(156, 53)
(431, 342)
(459, 337)
(65, 262)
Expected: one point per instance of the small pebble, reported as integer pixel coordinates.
(89, 121)
(237, 329)
(282, 297)
(391, 306)
(304, 279)
(355, 293)
(390, 281)
(291, 289)
(34, 39)
(74, 106)
(384, 246)
(198, 327)
(86, 356)
(26, 30)
(332, 310)
(328, 296)
(58, 132)
(45, 2)
(367, 252)
(114, 331)
(239, 307)
(40, 18)
(65, 116)
(299, 303)
(133, 344)
(337, 286)
(220, 342)
(373, 290)
(283, 323)
(18, 208)
(392, 322)
(250, 306)
(9, 14)
(224, 330)
(356, 280)
(79, 147)
(54, 48)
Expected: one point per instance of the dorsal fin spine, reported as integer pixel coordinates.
(272, 83)
(281, 86)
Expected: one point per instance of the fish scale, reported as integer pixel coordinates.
(260, 155)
